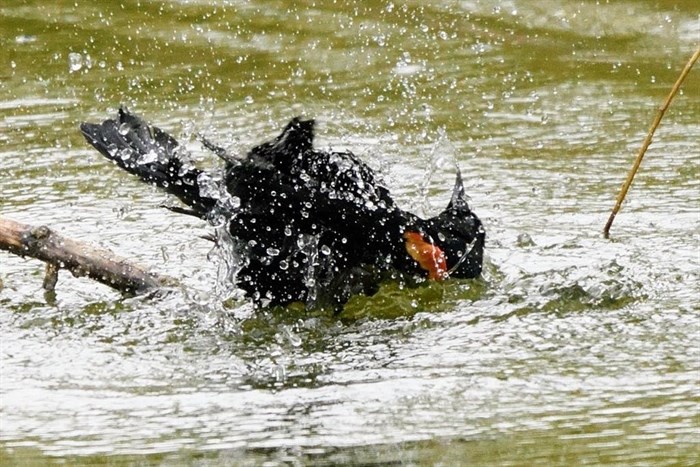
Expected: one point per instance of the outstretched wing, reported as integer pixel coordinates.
(149, 153)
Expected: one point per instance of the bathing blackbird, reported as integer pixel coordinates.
(307, 225)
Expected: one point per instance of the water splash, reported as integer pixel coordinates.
(442, 156)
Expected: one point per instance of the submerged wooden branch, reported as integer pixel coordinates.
(647, 141)
(79, 258)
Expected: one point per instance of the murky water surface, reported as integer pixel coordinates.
(571, 349)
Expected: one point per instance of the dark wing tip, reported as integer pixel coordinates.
(88, 129)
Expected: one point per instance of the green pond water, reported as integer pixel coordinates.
(571, 349)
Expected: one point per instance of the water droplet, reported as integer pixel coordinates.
(272, 251)
(208, 187)
(124, 128)
(125, 154)
(112, 150)
(284, 265)
(75, 61)
(148, 158)
(249, 99)
(287, 231)
(326, 250)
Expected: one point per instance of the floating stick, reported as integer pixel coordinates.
(81, 259)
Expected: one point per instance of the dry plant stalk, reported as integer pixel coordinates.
(647, 141)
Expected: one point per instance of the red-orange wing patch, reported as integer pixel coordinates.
(428, 256)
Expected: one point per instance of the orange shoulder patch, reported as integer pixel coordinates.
(430, 257)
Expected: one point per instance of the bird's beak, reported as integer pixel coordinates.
(430, 257)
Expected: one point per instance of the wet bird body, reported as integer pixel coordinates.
(308, 225)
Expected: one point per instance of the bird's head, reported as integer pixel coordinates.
(450, 244)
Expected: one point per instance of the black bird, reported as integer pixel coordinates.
(308, 225)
